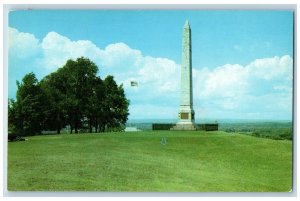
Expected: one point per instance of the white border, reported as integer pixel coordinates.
(155, 4)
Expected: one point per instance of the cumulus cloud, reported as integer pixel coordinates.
(119, 54)
(119, 59)
(272, 68)
(57, 49)
(261, 89)
(264, 85)
(224, 81)
(22, 45)
(123, 62)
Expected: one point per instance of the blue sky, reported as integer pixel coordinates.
(242, 60)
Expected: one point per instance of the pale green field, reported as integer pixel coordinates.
(138, 162)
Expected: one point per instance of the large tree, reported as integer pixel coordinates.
(27, 113)
(95, 112)
(78, 80)
(73, 95)
(55, 113)
(115, 105)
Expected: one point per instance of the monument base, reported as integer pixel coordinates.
(184, 126)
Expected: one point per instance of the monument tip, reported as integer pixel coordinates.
(186, 23)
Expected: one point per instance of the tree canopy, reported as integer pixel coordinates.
(73, 96)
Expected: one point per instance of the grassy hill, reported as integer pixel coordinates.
(139, 162)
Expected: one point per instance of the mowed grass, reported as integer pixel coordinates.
(138, 162)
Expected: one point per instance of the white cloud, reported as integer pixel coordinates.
(118, 59)
(224, 81)
(272, 68)
(57, 49)
(161, 72)
(119, 54)
(264, 86)
(22, 45)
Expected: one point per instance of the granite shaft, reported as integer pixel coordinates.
(186, 98)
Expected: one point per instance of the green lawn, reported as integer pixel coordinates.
(138, 162)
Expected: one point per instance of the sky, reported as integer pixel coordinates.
(242, 60)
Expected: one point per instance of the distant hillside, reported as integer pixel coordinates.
(278, 130)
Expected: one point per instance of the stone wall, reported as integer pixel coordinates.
(207, 127)
(203, 127)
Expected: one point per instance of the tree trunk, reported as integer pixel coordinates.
(76, 127)
(98, 125)
(76, 122)
(58, 124)
(102, 127)
(90, 124)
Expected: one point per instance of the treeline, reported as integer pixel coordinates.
(73, 96)
(271, 130)
(275, 134)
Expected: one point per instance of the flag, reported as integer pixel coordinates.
(133, 83)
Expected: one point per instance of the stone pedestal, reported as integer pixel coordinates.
(184, 127)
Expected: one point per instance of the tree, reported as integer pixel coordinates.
(13, 117)
(95, 105)
(27, 112)
(55, 114)
(115, 105)
(74, 96)
(77, 77)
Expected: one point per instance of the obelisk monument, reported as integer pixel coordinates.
(186, 112)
